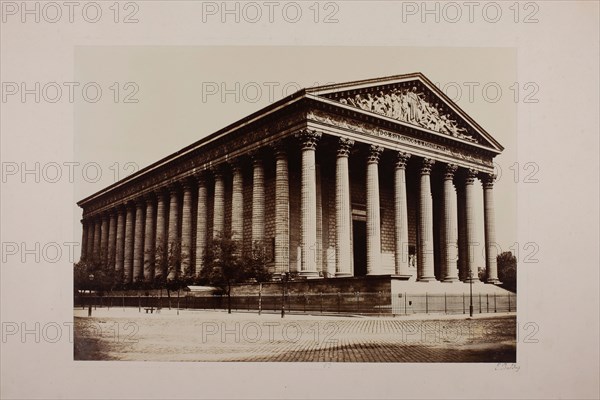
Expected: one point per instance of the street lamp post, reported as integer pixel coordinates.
(284, 279)
(470, 291)
(91, 277)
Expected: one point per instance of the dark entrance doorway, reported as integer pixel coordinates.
(359, 244)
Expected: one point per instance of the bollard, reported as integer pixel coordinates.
(426, 304)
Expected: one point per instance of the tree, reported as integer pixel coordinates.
(507, 270)
(167, 262)
(222, 265)
(256, 265)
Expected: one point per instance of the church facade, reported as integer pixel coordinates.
(372, 177)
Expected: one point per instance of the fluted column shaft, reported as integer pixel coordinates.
(401, 216)
(129, 240)
(282, 211)
(449, 248)
(149, 241)
(201, 224)
(373, 216)
(161, 247)
(186, 230)
(470, 240)
(97, 237)
(120, 245)
(237, 205)
(219, 205)
(343, 246)
(490, 229)
(258, 202)
(425, 268)
(112, 239)
(90, 239)
(308, 265)
(84, 239)
(104, 239)
(174, 246)
(138, 244)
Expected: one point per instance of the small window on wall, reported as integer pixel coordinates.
(412, 256)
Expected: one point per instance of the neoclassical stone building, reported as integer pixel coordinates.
(373, 177)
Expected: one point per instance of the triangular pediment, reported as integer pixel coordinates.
(410, 99)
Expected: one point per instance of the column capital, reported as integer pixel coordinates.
(426, 165)
(279, 148)
(449, 171)
(344, 147)
(402, 159)
(374, 154)
(217, 170)
(308, 138)
(140, 201)
(150, 198)
(470, 176)
(130, 205)
(487, 180)
(173, 188)
(188, 183)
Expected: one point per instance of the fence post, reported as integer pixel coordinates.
(321, 298)
(139, 302)
(405, 308)
(479, 303)
(357, 294)
(445, 304)
(305, 301)
(495, 302)
(339, 299)
(426, 304)
(464, 311)
(487, 303)
(509, 302)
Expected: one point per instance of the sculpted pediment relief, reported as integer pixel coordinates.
(412, 106)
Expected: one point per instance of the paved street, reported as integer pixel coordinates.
(126, 334)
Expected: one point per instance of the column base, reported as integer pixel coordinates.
(426, 279)
(474, 280)
(451, 279)
(309, 274)
(402, 277)
(495, 281)
(343, 275)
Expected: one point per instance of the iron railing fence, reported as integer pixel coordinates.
(362, 303)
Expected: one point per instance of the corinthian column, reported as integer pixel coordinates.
(149, 240)
(186, 230)
(258, 201)
(490, 228)
(237, 205)
(89, 253)
(129, 239)
(138, 244)
(84, 238)
(112, 238)
(219, 204)
(201, 223)
(401, 222)
(97, 237)
(373, 218)
(173, 234)
(161, 235)
(470, 239)
(282, 211)
(343, 247)
(120, 244)
(450, 228)
(309, 140)
(425, 270)
(104, 239)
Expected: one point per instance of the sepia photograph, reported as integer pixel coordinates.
(321, 199)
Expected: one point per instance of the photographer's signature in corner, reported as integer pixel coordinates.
(507, 367)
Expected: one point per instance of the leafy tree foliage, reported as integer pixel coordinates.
(507, 270)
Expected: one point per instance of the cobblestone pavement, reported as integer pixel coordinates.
(126, 334)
